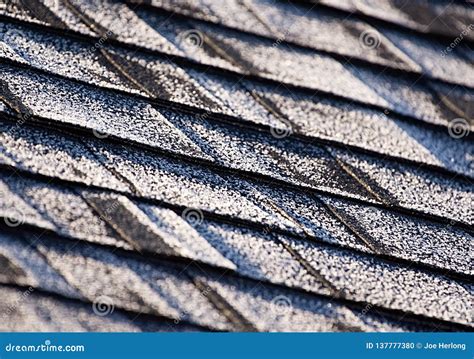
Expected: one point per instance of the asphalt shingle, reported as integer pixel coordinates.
(383, 284)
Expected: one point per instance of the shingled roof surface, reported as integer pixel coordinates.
(239, 165)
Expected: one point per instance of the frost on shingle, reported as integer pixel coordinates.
(145, 202)
(457, 103)
(37, 272)
(449, 67)
(373, 130)
(188, 185)
(408, 96)
(104, 66)
(396, 287)
(326, 30)
(117, 20)
(258, 255)
(417, 240)
(165, 80)
(37, 12)
(27, 310)
(312, 219)
(235, 94)
(181, 232)
(214, 11)
(53, 154)
(15, 210)
(58, 208)
(99, 111)
(279, 310)
(443, 195)
(307, 69)
(155, 230)
(186, 37)
(321, 29)
(284, 159)
(243, 53)
(320, 117)
(131, 284)
(444, 17)
(60, 55)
